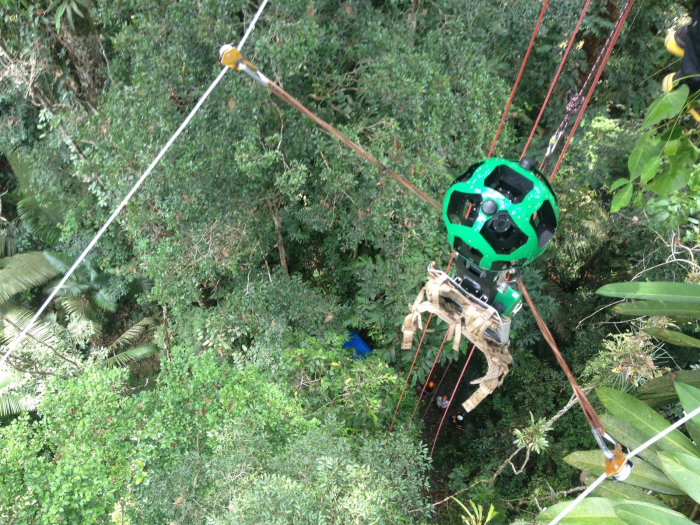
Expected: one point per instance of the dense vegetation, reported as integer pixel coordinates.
(193, 369)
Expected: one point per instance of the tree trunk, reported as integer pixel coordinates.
(82, 44)
(593, 46)
(275, 212)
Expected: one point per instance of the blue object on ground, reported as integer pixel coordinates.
(358, 345)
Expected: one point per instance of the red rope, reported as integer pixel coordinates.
(520, 74)
(416, 357)
(592, 88)
(556, 76)
(437, 388)
(408, 376)
(428, 379)
(454, 392)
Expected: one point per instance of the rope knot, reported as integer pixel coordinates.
(575, 103)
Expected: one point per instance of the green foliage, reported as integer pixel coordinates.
(244, 440)
(663, 162)
(133, 354)
(23, 272)
(677, 292)
(68, 7)
(625, 361)
(421, 86)
(661, 391)
(532, 437)
(477, 518)
(676, 472)
(614, 512)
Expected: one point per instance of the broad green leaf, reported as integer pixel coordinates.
(657, 291)
(690, 400)
(673, 337)
(665, 382)
(643, 475)
(666, 106)
(659, 308)
(637, 514)
(645, 419)
(694, 433)
(598, 511)
(622, 198)
(612, 489)
(671, 147)
(684, 470)
(673, 177)
(650, 169)
(659, 400)
(674, 133)
(618, 183)
(647, 148)
(630, 437)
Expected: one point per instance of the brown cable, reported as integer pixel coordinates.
(286, 97)
(586, 406)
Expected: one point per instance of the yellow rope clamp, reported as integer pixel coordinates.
(231, 57)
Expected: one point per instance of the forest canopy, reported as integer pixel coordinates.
(194, 368)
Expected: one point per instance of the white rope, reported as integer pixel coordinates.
(636, 451)
(126, 199)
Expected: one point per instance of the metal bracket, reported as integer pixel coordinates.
(616, 464)
(231, 57)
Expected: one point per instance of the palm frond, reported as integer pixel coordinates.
(20, 169)
(71, 288)
(8, 246)
(6, 378)
(61, 261)
(135, 354)
(10, 405)
(142, 285)
(41, 221)
(78, 306)
(15, 319)
(103, 299)
(133, 333)
(23, 272)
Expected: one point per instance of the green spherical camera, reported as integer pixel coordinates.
(501, 214)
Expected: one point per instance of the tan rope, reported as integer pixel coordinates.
(586, 406)
(289, 99)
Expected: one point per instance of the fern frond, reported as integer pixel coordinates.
(14, 320)
(23, 272)
(41, 221)
(133, 333)
(135, 354)
(78, 306)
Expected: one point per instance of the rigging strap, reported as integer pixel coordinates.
(465, 316)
